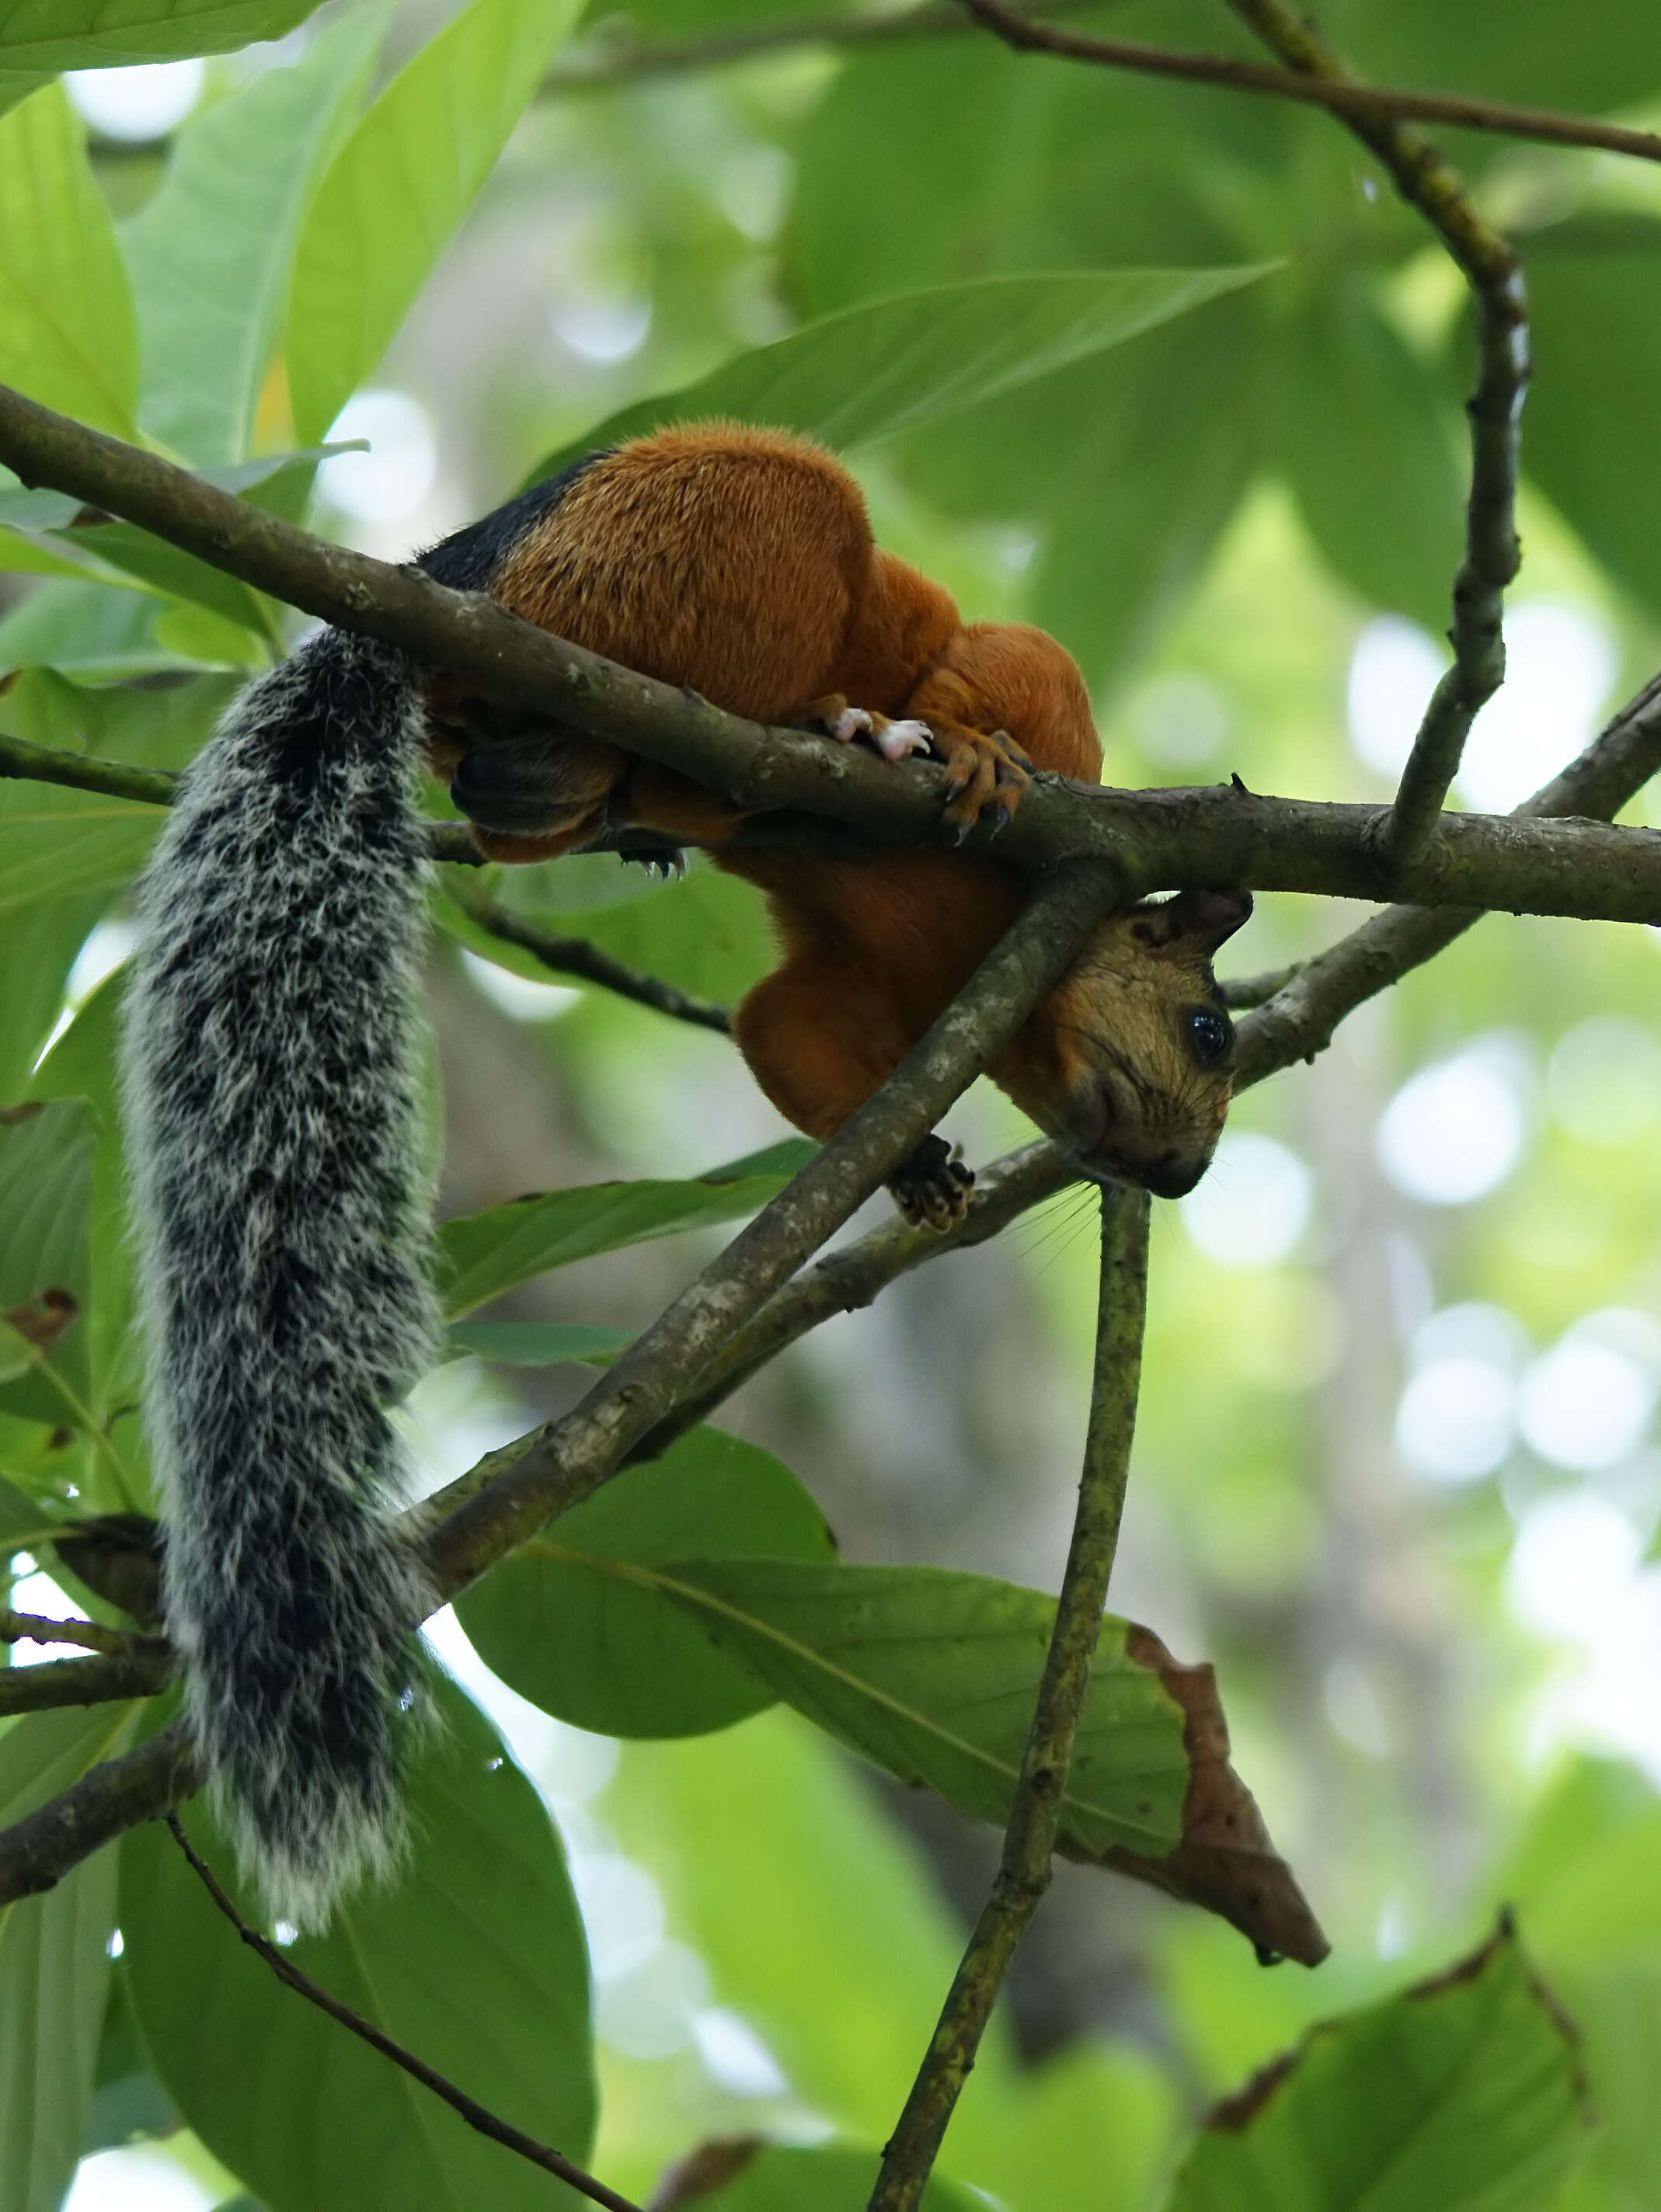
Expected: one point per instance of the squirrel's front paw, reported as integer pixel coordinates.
(986, 772)
(930, 1188)
(895, 741)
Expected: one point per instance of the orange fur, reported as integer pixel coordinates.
(740, 564)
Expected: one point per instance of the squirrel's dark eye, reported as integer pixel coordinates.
(1211, 1033)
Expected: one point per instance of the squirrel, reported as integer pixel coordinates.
(271, 1063)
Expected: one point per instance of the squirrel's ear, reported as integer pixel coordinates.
(1197, 920)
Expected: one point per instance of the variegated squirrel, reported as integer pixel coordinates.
(271, 1063)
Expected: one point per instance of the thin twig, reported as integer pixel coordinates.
(1492, 556)
(478, 2116)
(1370, 103)
(1035, 1816)
(89, 1635)
(576, 955)
(613, 62)
(151, 787)
(1241, 992)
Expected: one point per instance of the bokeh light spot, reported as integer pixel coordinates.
(1254, 1204)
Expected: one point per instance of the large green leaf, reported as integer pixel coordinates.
(476, 1961)
(1513, 49)
(1366, 437)
(45, 1271)
(74, 34)
(399, 187)
(577, 1622)
(830, 2178)
(1597, 338)
(1583, 1877)
(212, 252)
(933, 1676)
(84, 1065)
(1126, 470)
(482, 1255)
(111, 635)
(68, 334)
(55, 842)
(875, 371)
(54, 1965)
(1464, 2094)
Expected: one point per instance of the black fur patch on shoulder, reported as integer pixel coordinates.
(468, 559)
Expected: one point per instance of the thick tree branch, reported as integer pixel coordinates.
(1493, 555)
(1035, 1815)
(1375, 104)
(1219, 837)
(478, 2116)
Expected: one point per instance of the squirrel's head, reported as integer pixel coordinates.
(1130, 1060)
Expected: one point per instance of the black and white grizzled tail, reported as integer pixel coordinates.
(273, 1088)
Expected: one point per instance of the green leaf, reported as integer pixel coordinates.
(1594, 334)
(73, 35)
(1366, 438)
(83, 1065)
(1464, 2094)
(1109, 573)
(578, 1622)
(46, 1273)
(482, 1255)
(67, 333)
(476, 1961)
(38, 946)
(931, 1675)
(211, 252)
(55, 841)
(539, 1343)
(54, 1965)
(92, 630)
(831, 2178)
(878, 370)
(399, 187)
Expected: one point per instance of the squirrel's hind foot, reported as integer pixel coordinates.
(930, 1187)
(985, 774)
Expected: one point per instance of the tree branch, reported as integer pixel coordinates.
(1216, 837)
(575, 1455)
(1298, 1022)
(1493, 555)
(1374, 103)
(478, 2116)
(97, 1681)
(1035, 1815)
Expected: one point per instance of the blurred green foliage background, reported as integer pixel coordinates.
(1395, 1472)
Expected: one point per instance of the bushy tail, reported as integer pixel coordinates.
(272, 1082)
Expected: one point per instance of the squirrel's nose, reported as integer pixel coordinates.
(1172, 1175)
